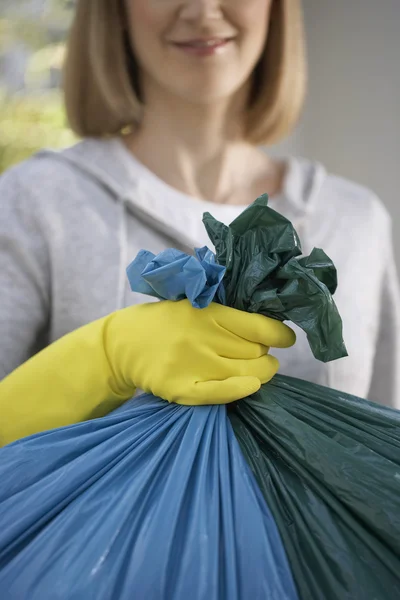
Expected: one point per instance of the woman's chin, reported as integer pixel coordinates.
(202, 94)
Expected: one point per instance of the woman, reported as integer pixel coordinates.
(173, 99)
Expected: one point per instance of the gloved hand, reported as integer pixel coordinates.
(211, 356)
(189, 356)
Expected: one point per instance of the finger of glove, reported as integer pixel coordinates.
(257, 328)
(263, 368)
(228, 345)
(222, 392)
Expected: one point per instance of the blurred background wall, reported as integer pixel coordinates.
(352, 117)
(32, 36)
(351, 122)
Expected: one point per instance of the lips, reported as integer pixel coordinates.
(204, 47)
(209, 43)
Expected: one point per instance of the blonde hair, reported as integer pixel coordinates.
(101, 87)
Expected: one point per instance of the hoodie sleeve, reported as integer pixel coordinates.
(385, 382)
(24, 273)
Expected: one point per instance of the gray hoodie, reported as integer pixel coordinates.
(71, 222)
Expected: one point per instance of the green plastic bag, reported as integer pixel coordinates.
(263, 274)
(327, 463)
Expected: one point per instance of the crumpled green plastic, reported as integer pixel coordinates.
(260, 251)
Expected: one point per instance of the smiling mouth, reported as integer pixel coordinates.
(209, 43)
(204, 47)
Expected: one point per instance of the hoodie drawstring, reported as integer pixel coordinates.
(123, 253)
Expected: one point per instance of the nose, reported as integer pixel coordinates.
(201, 10)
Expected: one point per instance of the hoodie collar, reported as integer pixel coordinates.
(109, 162)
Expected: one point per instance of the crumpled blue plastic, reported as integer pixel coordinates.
(154, 501)
(174, 275)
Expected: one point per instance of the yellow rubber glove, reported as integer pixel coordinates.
(182, 354)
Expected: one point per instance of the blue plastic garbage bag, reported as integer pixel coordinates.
(154, 501)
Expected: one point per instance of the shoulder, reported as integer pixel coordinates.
(50, 178)
(53, 166)
(355, 199)
(38, 177)
(342, 199)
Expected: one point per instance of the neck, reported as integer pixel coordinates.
(197, 148)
